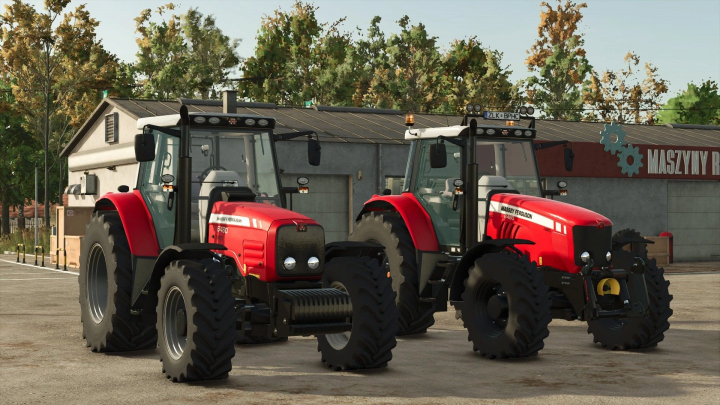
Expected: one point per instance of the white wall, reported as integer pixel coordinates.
(94, 155)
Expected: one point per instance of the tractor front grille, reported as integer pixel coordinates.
(594, 240)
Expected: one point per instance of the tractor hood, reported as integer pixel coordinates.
(546, 212)
(253, 215)
(561, 232)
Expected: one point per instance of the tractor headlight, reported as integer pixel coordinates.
(289, 263)
(608, 256)
(585, 256)
(263, 122)
(313, 263)
(249, 122)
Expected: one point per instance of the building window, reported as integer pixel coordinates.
(395, 184)
(111, 128)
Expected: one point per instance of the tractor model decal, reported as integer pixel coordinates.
(237, 220)
(621, 148)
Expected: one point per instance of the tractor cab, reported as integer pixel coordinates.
(503, 158)
(227, 151)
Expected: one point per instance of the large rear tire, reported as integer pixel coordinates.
(389, 230)
(374, 315)
(196, 321)
(506, 308)
(637, 333)
(106, 282)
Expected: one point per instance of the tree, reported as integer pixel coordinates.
(211, 54)
(282, 68)
(558, 60)
(370, 89)
(161, 59)
(337, 68)
(622, 97)
(696, 105)
(477, 77)
(57, 65)
(413, 77)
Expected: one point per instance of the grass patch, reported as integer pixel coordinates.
(27, 237)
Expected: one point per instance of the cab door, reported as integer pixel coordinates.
(167, 152)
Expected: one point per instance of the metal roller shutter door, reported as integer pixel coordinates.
(694, 219)
(327, 203)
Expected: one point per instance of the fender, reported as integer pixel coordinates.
(352, 249)
(148, 273)
(136, 220)
(457, 285)
(416, 218)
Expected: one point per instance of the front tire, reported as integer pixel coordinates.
(637, 333)
(374, 322)
(506, 308)
(106, 283)
(196, 321)
(389, 230)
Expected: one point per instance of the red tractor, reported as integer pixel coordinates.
(201, 254)
(473, 223)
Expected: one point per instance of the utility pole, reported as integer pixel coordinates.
(47, 131)
(36, 207)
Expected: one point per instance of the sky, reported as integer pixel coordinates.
(681, 38)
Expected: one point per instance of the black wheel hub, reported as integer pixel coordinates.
(497, 307)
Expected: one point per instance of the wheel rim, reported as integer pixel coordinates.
(491, 308)
(338, 341)
(97, 283)
(175, 322)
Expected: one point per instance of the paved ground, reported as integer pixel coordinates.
(44, 360)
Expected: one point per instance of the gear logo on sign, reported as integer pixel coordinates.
(607, 133)
(624, 152)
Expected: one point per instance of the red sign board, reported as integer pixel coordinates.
(658, 162)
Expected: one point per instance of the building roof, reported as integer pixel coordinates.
(385, 126)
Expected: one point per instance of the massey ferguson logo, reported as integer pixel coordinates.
(600, 224)
(515, 212)
(301, 227)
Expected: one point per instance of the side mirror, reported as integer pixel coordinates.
(144, 147)
(569, 157)
(313, 152)
(438, 156)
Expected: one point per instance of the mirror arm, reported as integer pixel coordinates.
(293, 135)
(454, 141)
(164, 130)
(289, 190)
(545, 145)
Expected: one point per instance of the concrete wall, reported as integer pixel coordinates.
(348, 159)
(628, 203)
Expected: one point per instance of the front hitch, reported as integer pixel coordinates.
(629, 286)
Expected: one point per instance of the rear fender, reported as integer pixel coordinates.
(457, 285)
(415, 217)
(147, 276)
(136, 220)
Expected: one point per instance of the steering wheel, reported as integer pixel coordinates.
(207, 171)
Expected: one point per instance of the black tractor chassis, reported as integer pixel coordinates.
(297, 308)
(574, 296)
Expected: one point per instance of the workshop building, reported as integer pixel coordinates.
(668, 180)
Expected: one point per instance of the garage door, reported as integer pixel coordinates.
(694, 219)
(327, 203)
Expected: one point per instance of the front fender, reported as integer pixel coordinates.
(413, 214)
(457, 285)
(136, 220)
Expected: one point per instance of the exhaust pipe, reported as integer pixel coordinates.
(182, 206)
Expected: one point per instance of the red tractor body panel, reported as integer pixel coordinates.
(248, 230)
(136, 220)
(413, 214)
(546, 222)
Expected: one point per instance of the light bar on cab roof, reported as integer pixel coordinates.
(509, 132)
(232, 121)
